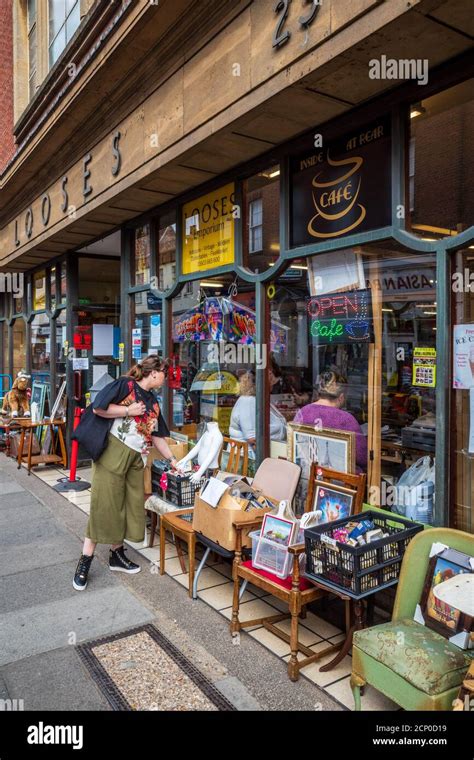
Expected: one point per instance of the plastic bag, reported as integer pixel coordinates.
(406, 489)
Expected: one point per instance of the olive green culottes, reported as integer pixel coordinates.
(117, 501)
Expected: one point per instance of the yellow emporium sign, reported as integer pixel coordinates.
(208, 230)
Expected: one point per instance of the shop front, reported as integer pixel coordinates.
(301, 235)
(305, 265)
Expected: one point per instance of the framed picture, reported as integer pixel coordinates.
(334, 449)
(447, 600)
(276, 536)
(277, 529)
(334, 502)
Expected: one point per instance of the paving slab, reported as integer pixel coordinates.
(19, 499)
(53, 681)
(87, 615)
(10, 486)
(33, 531)
(15, 559)
(20, 590)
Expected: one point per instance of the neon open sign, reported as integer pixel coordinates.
(341, 317)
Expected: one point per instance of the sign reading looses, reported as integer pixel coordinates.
(208, 230)
(341, 317)
(342, 188)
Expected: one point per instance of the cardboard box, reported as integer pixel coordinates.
(178, 449)
(216, 522)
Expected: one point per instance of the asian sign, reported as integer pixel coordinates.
(208, 230)
(342, 188)
(341, 317)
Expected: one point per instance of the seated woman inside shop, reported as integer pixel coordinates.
(327, 412)
(243, 416)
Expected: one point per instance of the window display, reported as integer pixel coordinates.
(40, 344)
(213, 345)
(360, 356)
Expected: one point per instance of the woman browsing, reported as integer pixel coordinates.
(117, 501)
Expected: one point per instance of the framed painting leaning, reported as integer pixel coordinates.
(334, 449)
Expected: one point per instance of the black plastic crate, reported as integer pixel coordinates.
(358, 570)
(179, 491)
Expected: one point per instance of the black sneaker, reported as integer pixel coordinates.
(82, 571)
(120, 562)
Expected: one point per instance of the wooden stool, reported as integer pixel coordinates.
(179, 523)
(31, 461)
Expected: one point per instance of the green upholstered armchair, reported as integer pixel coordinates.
(411, 664)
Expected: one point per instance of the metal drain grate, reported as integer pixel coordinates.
(114, 695)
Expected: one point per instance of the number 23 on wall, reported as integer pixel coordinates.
(282, 7)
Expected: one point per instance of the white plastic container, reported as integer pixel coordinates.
(272, 557)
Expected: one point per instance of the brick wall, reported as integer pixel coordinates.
(7, 144)
(444, 167)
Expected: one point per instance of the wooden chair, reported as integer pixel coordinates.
(295, 591)
(276, 479)
(238, 450)
(410, 663)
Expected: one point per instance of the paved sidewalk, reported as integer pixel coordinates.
(42, 617)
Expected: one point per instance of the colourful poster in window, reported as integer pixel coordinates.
(209, 230)
(463, 356)
(424, 367)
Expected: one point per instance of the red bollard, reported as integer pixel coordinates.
(75, 446)
(70, 483)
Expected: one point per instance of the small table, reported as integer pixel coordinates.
(27, 424)
(6, 424)
(358, 624)
(180, 524)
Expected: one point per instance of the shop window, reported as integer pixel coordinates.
(147, 325)
(213, 344)
(39, 290)
(40, 344)
(63, 281)
(99, 282)
(141, 255)
(442, 138)
(360, 324)
(261, 219)
(32, 47)
(462, 459)
(60, 338)
(52, 288)
(64, 18)
(256, 225)
(19, 346)
(5, 344)
(18, 304)
(167, 251)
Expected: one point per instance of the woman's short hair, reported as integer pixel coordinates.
(330, 385)
(247, 383)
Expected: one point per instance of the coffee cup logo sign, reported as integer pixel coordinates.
(335, 200)
(343, 188)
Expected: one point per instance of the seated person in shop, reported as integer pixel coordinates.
(244, 415)
(327, 412)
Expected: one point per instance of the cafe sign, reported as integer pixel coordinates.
(341, 317)
(342, 188)
(209, 230)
